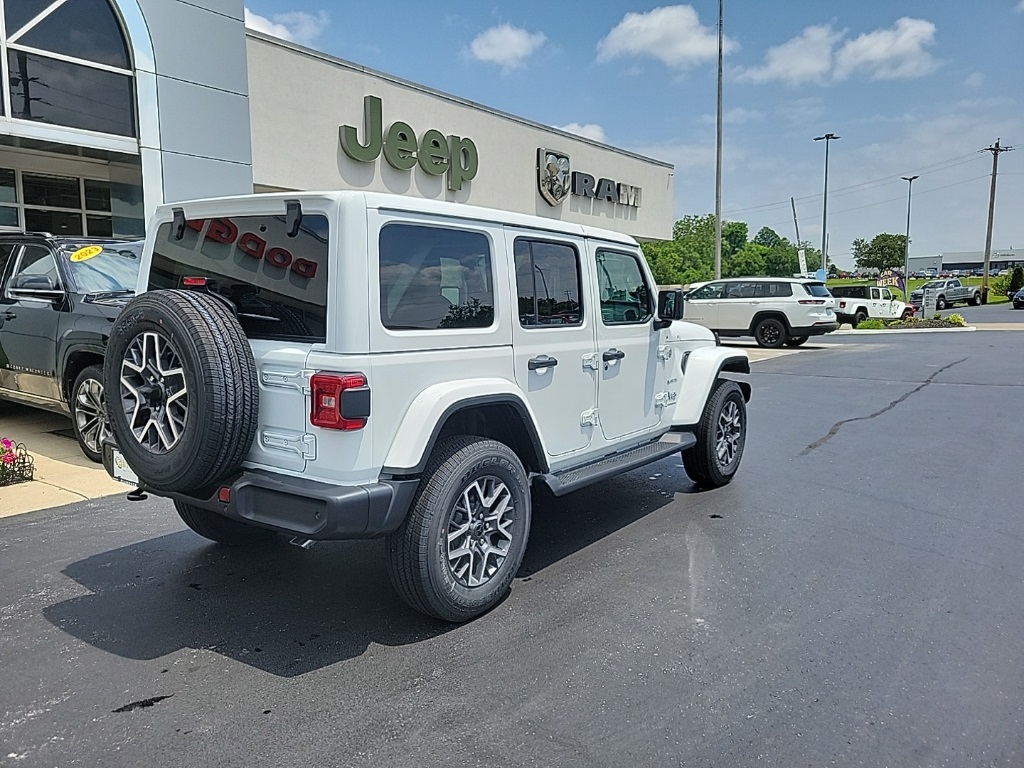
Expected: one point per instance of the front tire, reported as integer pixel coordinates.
(721, 436)
(907, 314)
(770, 333)
(795, 341)
(220, 529)
(89, 412)
(456, 553)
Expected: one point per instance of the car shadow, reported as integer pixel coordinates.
(288, 611)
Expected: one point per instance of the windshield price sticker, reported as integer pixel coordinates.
(86, 253)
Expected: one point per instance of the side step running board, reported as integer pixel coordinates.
(571, 480)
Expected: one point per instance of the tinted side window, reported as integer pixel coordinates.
(435, 278)
(773, 290)
(278, 283)
(547, 283)
(740, 290)
(624, 294)
(37, 260)
(6, 249)
(710, 291)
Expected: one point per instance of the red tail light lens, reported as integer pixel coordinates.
(193, 282)
(812, 301)
(842, 304)
(340, 401)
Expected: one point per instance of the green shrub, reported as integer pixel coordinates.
(871, 324)
(1016, 280)
(956, 319)
(936, 316)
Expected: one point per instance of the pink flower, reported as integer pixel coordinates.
(8, 458)
(6, 443)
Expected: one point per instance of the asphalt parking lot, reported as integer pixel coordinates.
(853, 598)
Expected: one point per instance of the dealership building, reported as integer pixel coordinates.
(999, 259)
(113, 107)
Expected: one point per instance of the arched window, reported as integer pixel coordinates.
(67, 62)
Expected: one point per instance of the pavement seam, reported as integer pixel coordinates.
(62, 488)
(838, 425)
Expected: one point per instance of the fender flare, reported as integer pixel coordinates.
(427, 414)
(705, 366)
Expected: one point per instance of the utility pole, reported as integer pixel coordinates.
(828, 137)
(718, 156)
(906, 245)
(995, 149)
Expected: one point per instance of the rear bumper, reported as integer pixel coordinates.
(818, 329)
(299, 507)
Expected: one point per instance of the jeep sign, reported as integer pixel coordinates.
(437, 155)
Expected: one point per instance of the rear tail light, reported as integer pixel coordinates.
(340, 401)
(812, 301)
(224, 494)
(842, 304)
(193, 282)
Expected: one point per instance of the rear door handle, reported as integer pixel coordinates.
(613, 354)
(542, 362)
(8, 315)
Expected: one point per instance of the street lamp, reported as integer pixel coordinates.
(824, 206)
(906, 245)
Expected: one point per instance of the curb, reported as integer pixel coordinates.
(904, 330)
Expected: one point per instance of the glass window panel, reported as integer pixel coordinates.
(6, 250)
(434, 278)
(97, 195)
(60, 93)
(8, 186)
(99, 226)
(54, 222)
(18, 13)
(624, 294)
(8, 216)
(82, 29)
(547, 284)
(52, 191)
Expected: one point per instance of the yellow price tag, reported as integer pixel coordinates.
(82, 254)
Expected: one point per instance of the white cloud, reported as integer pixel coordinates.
(587, 131)
(672, 34)
(889, 54)
(976, 79)
(297, 26)
(805, 58)
(1020, 6)
(506, 45)
(733, 116)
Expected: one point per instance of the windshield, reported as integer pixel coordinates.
(97, 268)
(934, 285)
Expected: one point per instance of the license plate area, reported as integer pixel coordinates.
(119, 468)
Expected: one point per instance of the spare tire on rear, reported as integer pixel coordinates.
(181, 388)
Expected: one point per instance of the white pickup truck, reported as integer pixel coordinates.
(856, 303)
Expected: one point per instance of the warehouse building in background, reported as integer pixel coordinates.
(113, 107)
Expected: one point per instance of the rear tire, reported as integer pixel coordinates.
(721, 434)
(456, 553)
(89, 412)
(975, 299)
(795, 341)
(770, 333)
(859, 317)
(220, 529)
(940, 303)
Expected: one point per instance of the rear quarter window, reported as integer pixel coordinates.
(817, 289)
(278, 283)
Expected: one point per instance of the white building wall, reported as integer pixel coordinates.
(299, 98)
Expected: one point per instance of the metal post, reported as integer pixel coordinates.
(906, 245)
(824, 205)
(718, 156)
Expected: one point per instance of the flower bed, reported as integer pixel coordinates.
(15, 464)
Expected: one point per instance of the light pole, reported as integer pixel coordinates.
(906, 245)
(718, 155)
(824, 206)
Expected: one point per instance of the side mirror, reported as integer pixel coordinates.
(670, 304)
(41, 287)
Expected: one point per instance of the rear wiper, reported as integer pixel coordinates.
(96, 295)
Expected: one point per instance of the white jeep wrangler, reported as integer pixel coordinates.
(349, 365)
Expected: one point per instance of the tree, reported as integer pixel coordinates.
(833, 270)
(1016, 280)
(885, 251)
(748, 261)
(734, 237)
(768, 237)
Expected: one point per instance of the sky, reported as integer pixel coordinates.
(910, 87)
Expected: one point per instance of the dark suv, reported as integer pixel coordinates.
(58, 299)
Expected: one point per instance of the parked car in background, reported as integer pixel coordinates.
(930, 272)
(774, 310)
(950, 292)
(58, 299)
(1018, 299)
(857, 303)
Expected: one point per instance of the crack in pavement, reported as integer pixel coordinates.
(838, 425)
